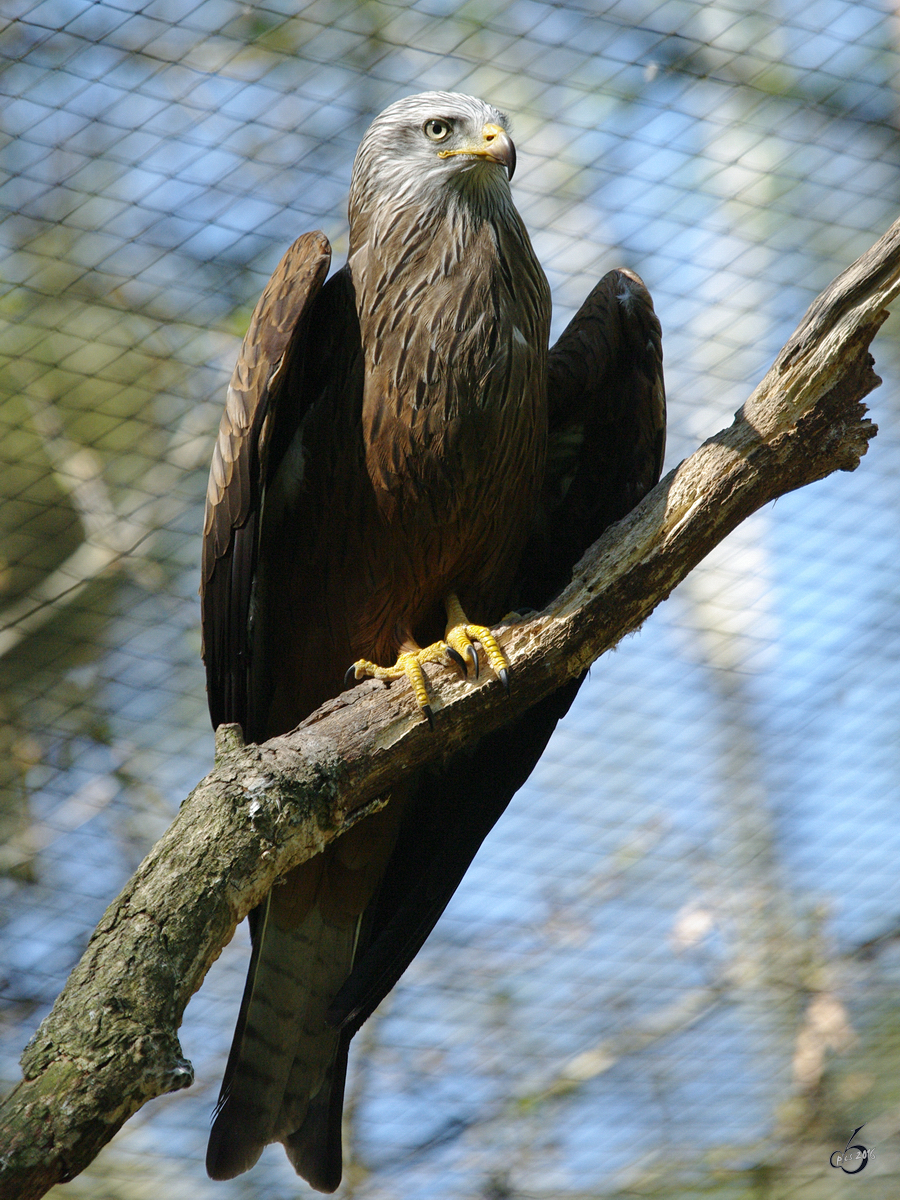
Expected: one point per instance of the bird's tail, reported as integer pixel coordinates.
(285, 1076)
(287, 1064)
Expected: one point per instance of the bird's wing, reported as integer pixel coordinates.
(607, 438)
(607, 429)
(244, 455)
(301, 947)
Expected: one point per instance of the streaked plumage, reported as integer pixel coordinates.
(385, 443)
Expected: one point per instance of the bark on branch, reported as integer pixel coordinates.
(110, 1043)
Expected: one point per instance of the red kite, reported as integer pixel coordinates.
(400, 456)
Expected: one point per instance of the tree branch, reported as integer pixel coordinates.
(110, 1043)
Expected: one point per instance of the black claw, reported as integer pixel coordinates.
(503, 676)
(426, 709)
(472, 655)
(350, 677)
(458, 661)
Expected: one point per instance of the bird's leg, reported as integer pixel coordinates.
(457, 647)
(460, 635)
(409, 664)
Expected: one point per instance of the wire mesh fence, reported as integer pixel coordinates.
(673, 969)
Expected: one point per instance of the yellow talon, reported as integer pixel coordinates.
(409, 665)
(457, 647)
(461, 634)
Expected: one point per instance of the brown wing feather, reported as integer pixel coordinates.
(607, 435)
(233, 495)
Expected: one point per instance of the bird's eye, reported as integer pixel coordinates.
(437, 131)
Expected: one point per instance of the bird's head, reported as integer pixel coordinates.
(420, 146)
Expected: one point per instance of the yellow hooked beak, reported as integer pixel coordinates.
(495, 144)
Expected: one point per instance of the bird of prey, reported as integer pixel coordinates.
(401, 461)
